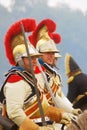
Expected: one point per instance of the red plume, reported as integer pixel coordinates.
(56, 37)
(15, 29)
(51, 25)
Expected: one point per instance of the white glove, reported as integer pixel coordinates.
(50, 127)
(67, 118)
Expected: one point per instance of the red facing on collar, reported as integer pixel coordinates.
(14, 78)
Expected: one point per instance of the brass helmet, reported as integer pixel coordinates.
(20, 51)
(14, 41)
(43, 37)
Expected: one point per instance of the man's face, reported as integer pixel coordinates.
(48, 57)
(26, 62)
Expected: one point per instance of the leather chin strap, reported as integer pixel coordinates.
(21, 63)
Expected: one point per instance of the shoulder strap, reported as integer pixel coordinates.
(26, 75)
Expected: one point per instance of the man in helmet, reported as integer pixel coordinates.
(44, 39)
(18, 89)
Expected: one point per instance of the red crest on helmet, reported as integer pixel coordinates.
(51, 26)
(15, 29)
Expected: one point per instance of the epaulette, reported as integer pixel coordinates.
(11, 75)
(23, 75)
(14, 78)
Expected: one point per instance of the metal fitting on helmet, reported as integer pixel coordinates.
(20, 51)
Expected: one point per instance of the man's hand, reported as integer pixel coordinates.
(66, 118)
